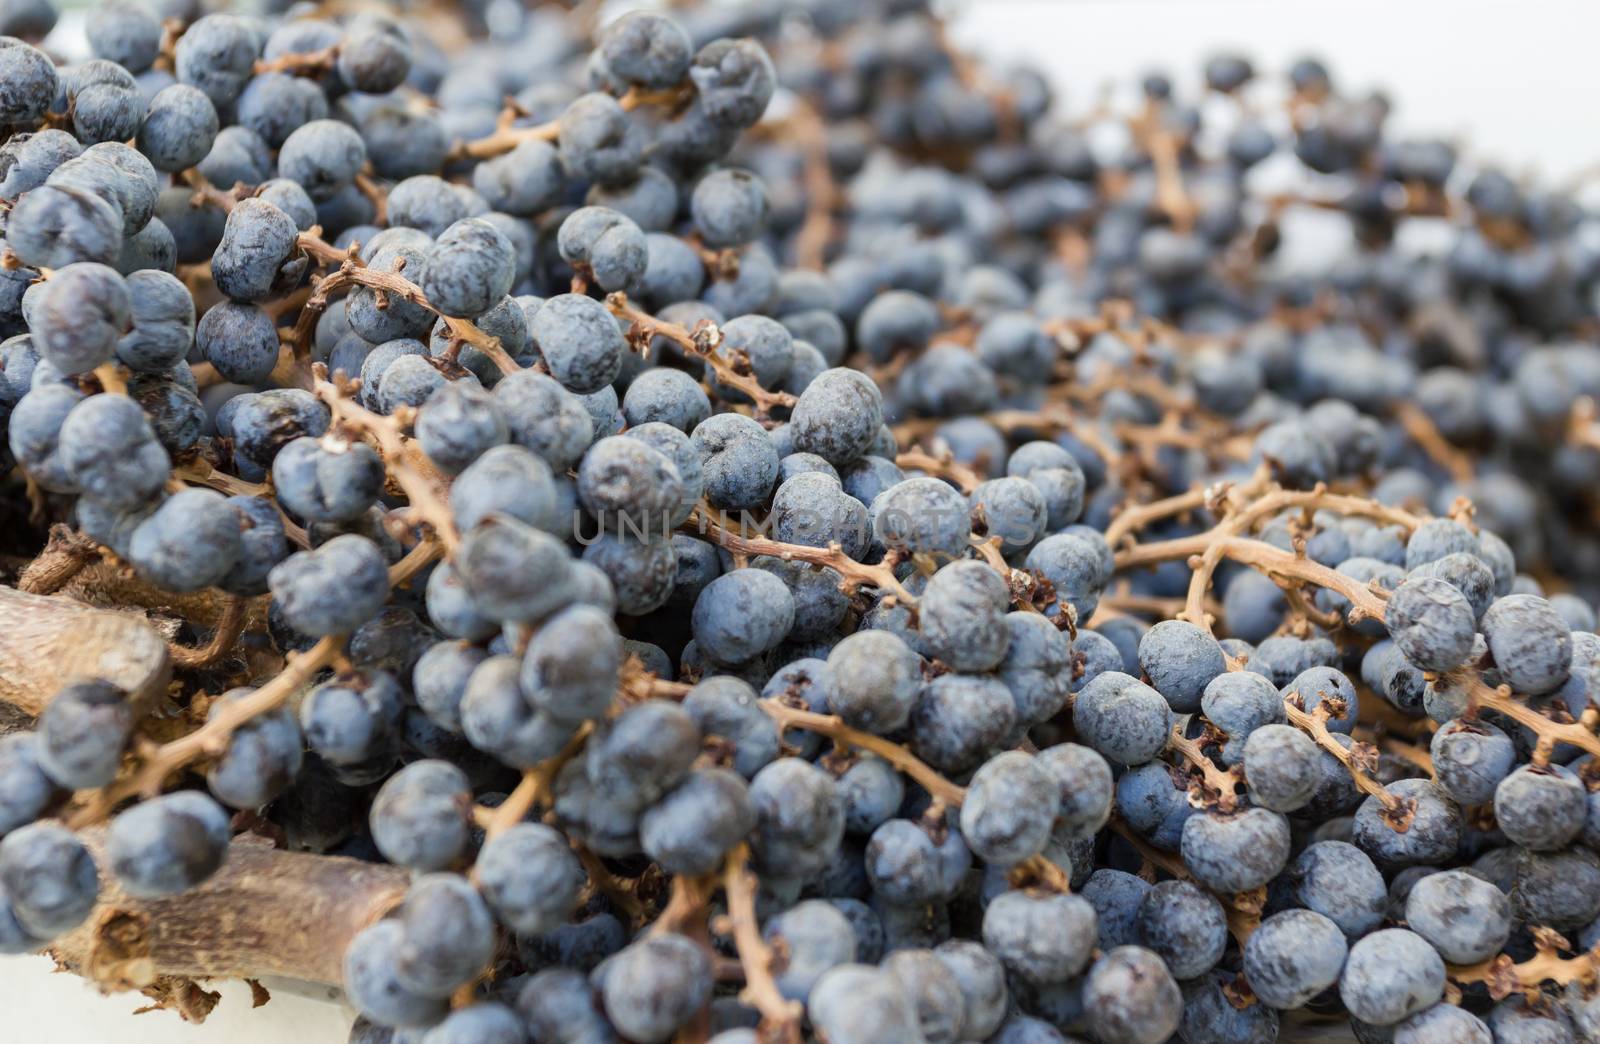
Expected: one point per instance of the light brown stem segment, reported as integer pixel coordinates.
(1221, 785)
(1358, 760)
(1502, 702)
(617, 891)
(352, 271)
(1132, 519)
(47, 641)
(410, 467)
(1421, 429)
(817, 230)
(1263, 507)
(507, 137)
(685, 910)
(941, 465)
(703, 342)
(200, 472)
(854, 573)
(831, 726)
(780, 1017)
(1505, 977)
(212, 737)
(1037, 869)
(300, 63)
(535, 785)
(264, 913)
(1243, 913)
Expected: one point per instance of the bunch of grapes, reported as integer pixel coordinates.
(747, 524)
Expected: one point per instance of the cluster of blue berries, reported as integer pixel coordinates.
(768, 530)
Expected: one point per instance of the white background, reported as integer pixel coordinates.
(1517, 82)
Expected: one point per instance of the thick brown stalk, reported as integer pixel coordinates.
(264, 913)
(222, 638)
(47, 641)
(63, 558)
(703, 342)
(780, 1017)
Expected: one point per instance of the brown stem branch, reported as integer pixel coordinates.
(300, 63)
(1421, 429)
(1505, 977)
(222, 639)
(506, 136)
(63, 558)
(1223, 784)
(1358, 760)
(212, 737)
(200, 472)
(615, 890)
(831, 726)
(941, 465)
(822, 195)
(535, 785)
(703, 342)
(416, 475)
(780, 1017)
(854, 574)
(1501, 701)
